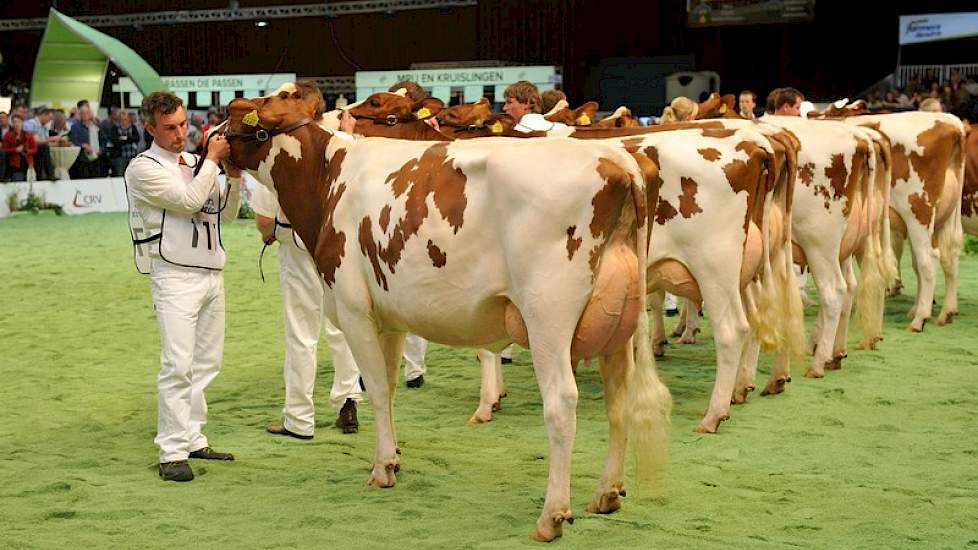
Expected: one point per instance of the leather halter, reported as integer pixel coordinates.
(262, 135)
(390, 120)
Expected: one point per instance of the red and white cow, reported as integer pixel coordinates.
(928, 160)
(969, 195)
(407, 237)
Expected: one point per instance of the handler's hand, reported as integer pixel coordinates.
(347, 122)
(218, 149)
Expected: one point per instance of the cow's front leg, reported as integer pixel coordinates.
(490, 394)
(374, 354)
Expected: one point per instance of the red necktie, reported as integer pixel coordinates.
(180, 161)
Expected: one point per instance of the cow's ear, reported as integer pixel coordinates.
(427, 108)
(584, 115)
(482, 101)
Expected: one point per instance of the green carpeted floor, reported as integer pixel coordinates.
(883, 454)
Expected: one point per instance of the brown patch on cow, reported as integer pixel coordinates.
(385, 217)
(606, 206)
(607, 202)
(969, 193)
(921, 210)
(331, 243)
(664, 212)
(718, 132)
(709, 154)
(860, 161)
(837, 174)
(368, 246)
(432, 174)
(631, 144)
(687, 201)
(806, 173)
(572, 243)
(938, 143)
(438, 258)
(901, 164)
(746, 176)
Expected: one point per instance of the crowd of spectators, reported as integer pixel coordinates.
(958, 94)
(105, 146)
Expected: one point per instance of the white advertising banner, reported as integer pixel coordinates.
(86, 196)
(932, 27)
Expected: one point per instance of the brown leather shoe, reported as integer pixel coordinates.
(178, 470)
(280, 429)
(210, 454)
(347, 419)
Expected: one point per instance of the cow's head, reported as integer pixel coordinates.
(621, 118)
(582, 116)
(840, 109)
(391, 108)
(467, 114)
(718, 106)
(253, 122)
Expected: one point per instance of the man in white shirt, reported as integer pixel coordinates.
(176, 207)
(523, 103)
(302, 309)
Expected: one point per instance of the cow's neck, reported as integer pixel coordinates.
(302, 184)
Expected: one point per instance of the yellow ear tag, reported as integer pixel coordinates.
(497, 127)
(584, 120)
(251, 119)
(423, 113)
(722, 109)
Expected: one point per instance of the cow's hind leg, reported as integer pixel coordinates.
(614, 374)
(840, 347)
(658, 340)
(831, 286)
(924, 256)
(691, 319)
(730, 331)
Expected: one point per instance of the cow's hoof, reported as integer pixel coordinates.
(774, 386)
(689, 338)
(498, 405)
(917, 326)
(812, 373)
(740, 394)
(710, 425)
(383, 475)
(869, 344)
(479, 417)
(945, 318)
(551, 528)
(659, 348)
(607, 502)
(835, 363)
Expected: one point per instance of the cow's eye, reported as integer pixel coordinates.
(374, 103)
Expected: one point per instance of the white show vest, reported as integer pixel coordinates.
(265, 202)
(176, 238)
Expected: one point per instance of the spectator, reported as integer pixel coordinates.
(947, 98)
(84, 134)
(931, 105)
(125, 143)
(20, 147)
(58, 133)
(147, 140)
(213, 119)
(194, 135)
(4, 124)
(747, 101)
(873, 102)
(961, 94)
(551, 98)
(38, 127)
(105, 128)
(75, 116)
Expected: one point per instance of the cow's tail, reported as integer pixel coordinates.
(871, 292)
(649, 401)
(876, 272)
(950, 236)
(793, 315)
(888, 261)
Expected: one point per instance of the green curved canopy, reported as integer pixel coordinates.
(72, 61)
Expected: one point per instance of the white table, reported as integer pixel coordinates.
(63, 158)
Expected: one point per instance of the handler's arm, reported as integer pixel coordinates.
(159, 187)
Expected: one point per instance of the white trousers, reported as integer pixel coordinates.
(302, 305)
(507, 352)
(671, 302)
(415, 348)
(189, 307)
